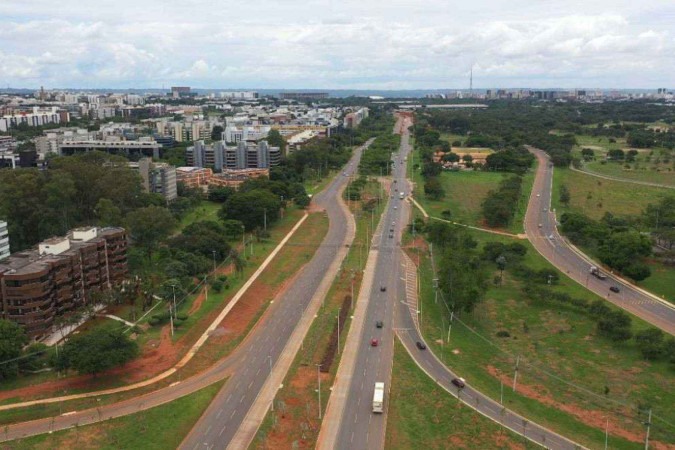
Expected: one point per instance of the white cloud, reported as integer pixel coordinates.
(263, 43)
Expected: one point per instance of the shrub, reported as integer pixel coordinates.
(503, 334)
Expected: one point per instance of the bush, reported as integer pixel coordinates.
(650, 343)
(182, 316)
(615, 326)
(503, 334)
(217, 285)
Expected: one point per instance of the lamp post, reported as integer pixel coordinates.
(214, 262)
(318, 379)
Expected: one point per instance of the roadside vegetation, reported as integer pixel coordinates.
(575, 352)
(423, 415)
(158, 428)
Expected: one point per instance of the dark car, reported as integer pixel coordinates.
(459, 382)
(379, 324)
(614, 289)
(391, 236)
(421, 345)
(383, 288)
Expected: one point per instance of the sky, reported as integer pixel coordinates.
(347, 44)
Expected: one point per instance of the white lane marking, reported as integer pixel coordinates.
(241, 399)
(249, 385)
(207, 430)
(228, 398)
(221, 431)
(233, 413)
(220, 411)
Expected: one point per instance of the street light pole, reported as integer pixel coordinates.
(318, 379)
(338, 329)
(214, 262)
(270, 358)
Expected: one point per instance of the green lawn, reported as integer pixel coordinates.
(205, 211)
(160, 428)
(423, 415)
(594, 197)
(465, 192)
(555, 343)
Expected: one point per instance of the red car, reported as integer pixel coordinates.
(374, 342)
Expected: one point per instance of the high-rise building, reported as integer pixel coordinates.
(159, 178)
(4, 240)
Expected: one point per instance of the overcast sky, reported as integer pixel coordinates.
(350, 44)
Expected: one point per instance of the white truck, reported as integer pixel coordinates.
(597, 274)
(378, 398)
(401, 195)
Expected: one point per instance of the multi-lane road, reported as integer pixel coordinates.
(222, 419)
(542, 231)
(359, 427)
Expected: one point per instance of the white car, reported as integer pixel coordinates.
(538, 195)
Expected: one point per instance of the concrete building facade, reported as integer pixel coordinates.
(60, 275)
(4, 240)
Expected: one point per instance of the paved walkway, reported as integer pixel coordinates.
(622, 180)
(190, 354)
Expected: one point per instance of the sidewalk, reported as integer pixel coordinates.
(189, 355)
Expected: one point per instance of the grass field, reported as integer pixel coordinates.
(205, 211)
(158, 428)
(570, 379)
(594, 197)
(465, 192)
(423, 415)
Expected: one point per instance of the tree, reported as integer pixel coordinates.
(623, 249)
(450, 157)
(251, 208)
(97, 351)
(650, 342)
(107, 213)
(233, 228)
(434, 189)
(501, 265)
(587, 153)
(616, 325)
(564, 195)
(220, 194)
(275, 139)
(217, 133)
(150, 225)
(638, 271)
(616, 154)
(12, 340)
(467, 158)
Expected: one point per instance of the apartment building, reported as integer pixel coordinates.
(60, 275)
(194, 177)
(159, 178)
(142, 147)
(38, 116)
(4, 240)
(234, 178)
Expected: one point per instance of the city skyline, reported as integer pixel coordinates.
(350, 45)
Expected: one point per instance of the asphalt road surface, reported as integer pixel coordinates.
(541, 230)
(247, 366)
(360, 428)
(219, 423)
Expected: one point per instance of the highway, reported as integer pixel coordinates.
(247, 366)
(350, 422)
(542, 231)
(221, 420)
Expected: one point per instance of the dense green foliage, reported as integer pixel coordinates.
(12, 340)
(461, 272)
(97, 351)
(499, 206)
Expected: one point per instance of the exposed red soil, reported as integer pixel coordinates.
(597, 419)
(156, 357)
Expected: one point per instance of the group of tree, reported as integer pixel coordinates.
(613, 240)
(513, 159)
(461, 271)
(499, 206)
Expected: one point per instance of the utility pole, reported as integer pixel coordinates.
(173, 286)
(606, 433)
(318, 379)
(270, 358)
(649, 424)
(515, 374)
(452, 314)
(214, 263)
(338, 342)
(501, 392)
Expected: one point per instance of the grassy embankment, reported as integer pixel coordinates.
(559, 348)
(296, 414)
(424, 415)
(594, 197)
(158, 428)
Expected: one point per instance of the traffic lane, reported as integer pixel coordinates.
(477, 401)
(577, 267)
(222, 418)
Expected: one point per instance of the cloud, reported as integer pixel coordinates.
(335, 45)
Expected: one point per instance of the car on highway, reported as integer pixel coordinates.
(374, 342)
(383, 288)
(540, 225)
(395, 207)
(391, 236)
(459, 382)
(545, 209)
(421, 345)
(550, 236)
(379, 324)
(538, 195)
(615, 289)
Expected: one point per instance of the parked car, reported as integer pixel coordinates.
(421, 345)
(615, 289)
(459, 382)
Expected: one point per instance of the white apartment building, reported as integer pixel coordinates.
(4, 240)
(37, 117)
(239, 95)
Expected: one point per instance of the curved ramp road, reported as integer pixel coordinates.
(220, 422)
(541, 230)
